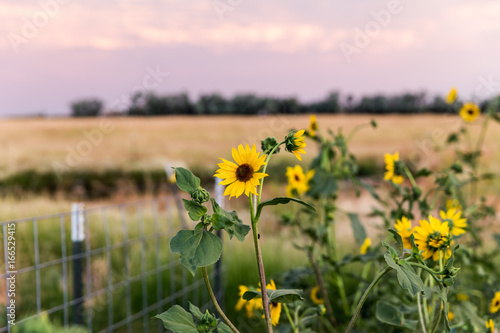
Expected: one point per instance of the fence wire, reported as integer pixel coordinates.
(114, 279)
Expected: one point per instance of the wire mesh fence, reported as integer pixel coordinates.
(108, 269)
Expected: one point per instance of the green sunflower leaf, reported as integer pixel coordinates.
(194, 209)
(186, 180)
(392, 251)
(195, 311)
(357, 228)
(251, 294)
(407, 277)
(197, 249)
(323, 183)
(389, 314)
(284, 295)
(223, 328)
(277, 296)
(282, 201)
(178, 320)
(229, 221)
(397, 238)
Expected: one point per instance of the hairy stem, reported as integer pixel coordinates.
(420, 314)
(321, 285)
(260, 264)
(364, 297)
(214, 300)
(292, 323)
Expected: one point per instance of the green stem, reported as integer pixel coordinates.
(479, 146)
(410, 176)
(420, 315)
(260, 264)
(364, 297)
(438, 319)
(482, 135)
(354, 130)
(364, 275)
(214, 300)
(294, 328)
(426, 311)
(321, 285)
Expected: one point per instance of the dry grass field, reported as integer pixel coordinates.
(146, 143)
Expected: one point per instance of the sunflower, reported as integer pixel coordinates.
(364, 247)
(453, 203)
(491, 325)
(313, 126)
(469, 112)
(495, 303)
(455, 222)
(432, 237)
(274, 307)
(403, 226)
(391, 172)
(452, 96)
(315, 297)
(295, 143)
(451, 315)
(249, 305)
(243, 176)
(297, 180)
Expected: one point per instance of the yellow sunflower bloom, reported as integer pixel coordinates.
(469, 112)
(313, 126)
(315, 297)
(366, 244)
(452, 96)
(297, 180)
(451, 315)
(453, 203)
(249, 305)
(495, 303)
(390, 173)
(404, 229)
(295, 143)
(432, 237)
(455, 222)
(242, 176)
(490, 324)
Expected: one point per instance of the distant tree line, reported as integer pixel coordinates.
(151, 104)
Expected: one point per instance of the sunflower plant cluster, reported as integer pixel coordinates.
(438, 285)
(432, 221)
(332, 168)
(200, 247)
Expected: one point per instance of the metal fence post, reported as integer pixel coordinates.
(219, 197)
(77, 237)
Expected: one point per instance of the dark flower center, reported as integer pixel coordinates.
(297, 178)
(471, 112)
(244, 172)
(314, 126)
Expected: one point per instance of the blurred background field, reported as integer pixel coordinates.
(75, 157)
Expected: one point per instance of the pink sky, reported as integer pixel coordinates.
(55, 51)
